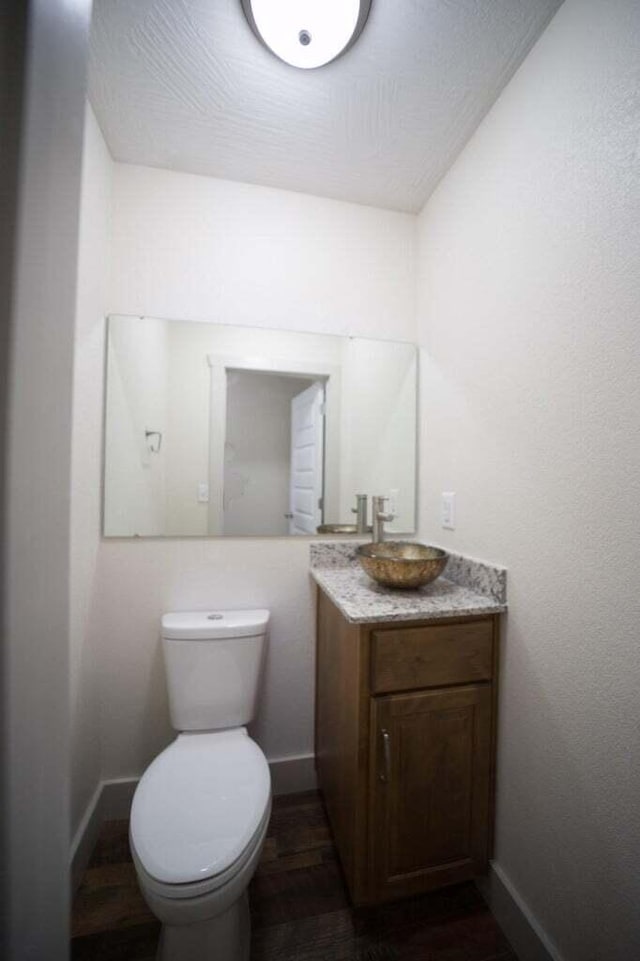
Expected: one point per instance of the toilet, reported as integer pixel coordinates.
(201, 809)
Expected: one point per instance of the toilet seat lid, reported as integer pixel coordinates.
(198, 805)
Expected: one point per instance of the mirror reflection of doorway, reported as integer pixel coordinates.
(273, 453)
(307, 460)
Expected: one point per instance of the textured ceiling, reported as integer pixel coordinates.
(184, 84)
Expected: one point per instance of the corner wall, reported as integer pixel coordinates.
(86, 474)
(529, 316)
(48, 45)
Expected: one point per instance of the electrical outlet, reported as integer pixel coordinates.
(203, 493)
(449, 510)
(393, 501)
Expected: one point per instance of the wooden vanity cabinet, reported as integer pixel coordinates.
(405, 732)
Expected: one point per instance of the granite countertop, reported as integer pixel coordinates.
(467, 588)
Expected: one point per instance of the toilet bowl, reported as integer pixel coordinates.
(201, 810)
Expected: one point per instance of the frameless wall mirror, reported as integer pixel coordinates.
(212, 429)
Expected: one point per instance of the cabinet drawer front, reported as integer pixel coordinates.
(410, 658)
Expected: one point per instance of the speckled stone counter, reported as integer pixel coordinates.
(467, 588)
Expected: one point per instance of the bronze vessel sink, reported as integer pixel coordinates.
(404, 565)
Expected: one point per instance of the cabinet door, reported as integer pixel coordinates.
(430, 787)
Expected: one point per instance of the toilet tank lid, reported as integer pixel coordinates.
(213, 624)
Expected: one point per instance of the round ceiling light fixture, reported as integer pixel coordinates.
(307, 33)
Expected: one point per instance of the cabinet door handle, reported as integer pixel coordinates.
(385, 774)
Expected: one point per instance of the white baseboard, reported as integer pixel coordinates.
(117, 795)
(516, 919)
(85, 838)
(112, 799)
(290, 775)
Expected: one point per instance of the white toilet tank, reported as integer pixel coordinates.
(213, 661)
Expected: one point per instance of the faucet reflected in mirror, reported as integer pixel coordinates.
(360, 510)
(359, 528)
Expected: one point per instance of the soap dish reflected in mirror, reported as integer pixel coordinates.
(341, 529)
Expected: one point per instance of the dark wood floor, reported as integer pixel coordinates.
(299, 906)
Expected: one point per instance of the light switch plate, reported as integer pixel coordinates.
(449, 510)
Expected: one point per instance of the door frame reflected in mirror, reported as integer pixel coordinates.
(220, 366)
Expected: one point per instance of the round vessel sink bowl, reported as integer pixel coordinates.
(402, 564)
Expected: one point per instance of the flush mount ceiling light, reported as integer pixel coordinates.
(307, 33)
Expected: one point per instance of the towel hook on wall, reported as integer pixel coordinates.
(154, 440)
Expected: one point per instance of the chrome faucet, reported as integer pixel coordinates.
(361, 510)
(379, 517)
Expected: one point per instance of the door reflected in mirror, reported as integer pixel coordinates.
(213, 429)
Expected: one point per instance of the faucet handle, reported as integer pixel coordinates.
(361, 501)
(378, 507)
(380, 516)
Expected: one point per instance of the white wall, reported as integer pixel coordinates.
(192, 247)
(530, 318)
(51, 56)
(142, 579)
(86, 478)
(205, 249)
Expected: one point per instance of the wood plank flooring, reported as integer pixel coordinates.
(299, 907)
